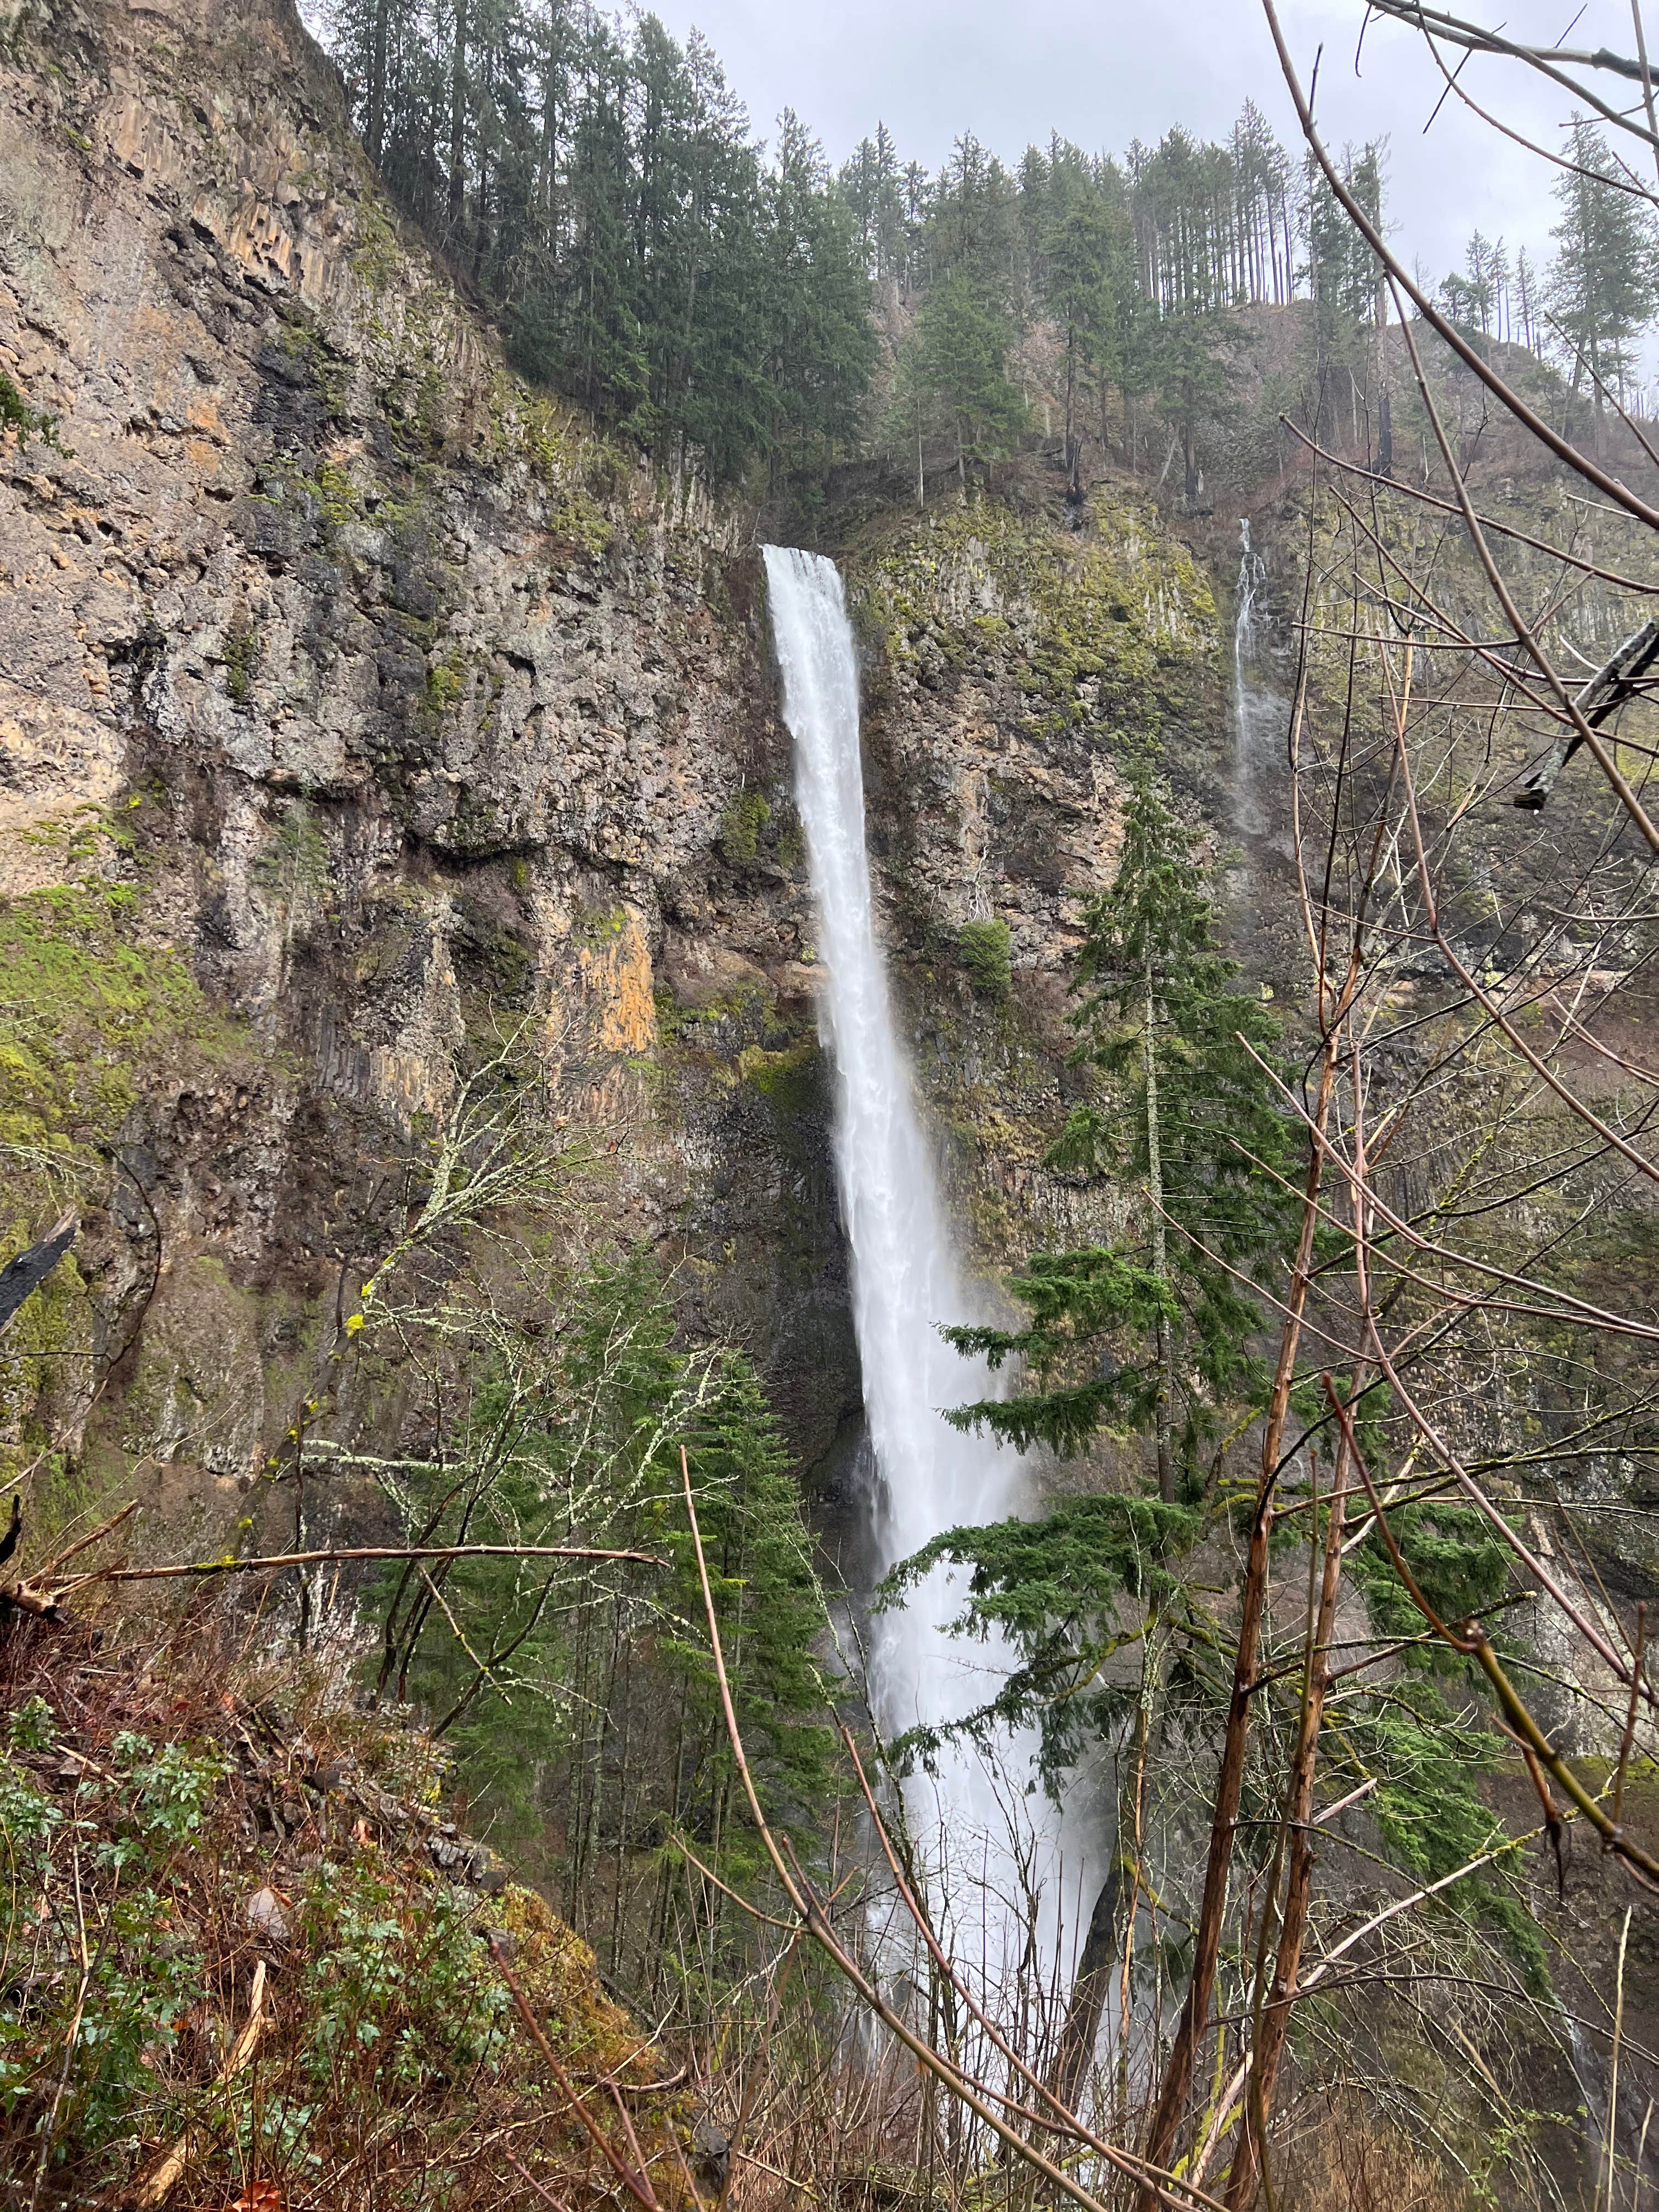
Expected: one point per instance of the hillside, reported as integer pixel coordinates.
(413, 996)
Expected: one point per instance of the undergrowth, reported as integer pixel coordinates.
(168, 1827)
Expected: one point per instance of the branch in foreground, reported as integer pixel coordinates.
(1158, 2182)
(37, 1597)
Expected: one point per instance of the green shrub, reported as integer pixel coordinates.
(984, 948)
(746, 815)
(16, 414)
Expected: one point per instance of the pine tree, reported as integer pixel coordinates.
(1079, 239)
(822, 343)
(1526, 301)
(1154, 1332)
(767, 1599)
(1190, 365)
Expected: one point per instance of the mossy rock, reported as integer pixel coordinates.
(91, 1013)
(1100, 631)
(560, 1976)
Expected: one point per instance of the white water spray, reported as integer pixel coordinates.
(1252, 574)
(906, 1283)
(1257, 712)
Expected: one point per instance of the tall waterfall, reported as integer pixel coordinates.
(906, 1282)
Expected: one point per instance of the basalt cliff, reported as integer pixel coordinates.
(357, 699)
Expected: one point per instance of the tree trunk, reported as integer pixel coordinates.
(1165, 1423)
(1089, 1991)
(1071, 379)
(1275, 2022)
(458, 123)
(1098, 1958)
(1384, 410)
(1195, 2012)
(376, 131)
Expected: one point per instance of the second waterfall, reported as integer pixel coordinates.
(906, 1282)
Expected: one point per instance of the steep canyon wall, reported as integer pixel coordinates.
(362, 701)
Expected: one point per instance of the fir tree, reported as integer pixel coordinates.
(1601, 282)
(1155, 1331)
(953, 374)
(1191, 358)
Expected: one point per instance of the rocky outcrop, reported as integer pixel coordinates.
(392, 705)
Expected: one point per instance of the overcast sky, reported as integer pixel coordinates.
(1103, 72)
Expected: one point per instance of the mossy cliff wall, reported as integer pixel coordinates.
(355, 698)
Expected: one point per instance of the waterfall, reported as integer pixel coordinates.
(1252, 574)
(1258, 717)
(905, 1283)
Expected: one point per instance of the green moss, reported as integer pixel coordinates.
(575, 465)
(335, 494)
(244, 651)
(85, 1011)
(1100, 630)
(599, 924)
(375, 258)
(747, 814)
(776, 1075)
(48, 1343)
(446, 681)
(985, 951)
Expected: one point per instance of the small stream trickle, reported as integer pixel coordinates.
(1258, 710)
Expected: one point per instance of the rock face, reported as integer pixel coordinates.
(395, 704)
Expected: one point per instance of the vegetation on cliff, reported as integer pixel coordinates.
(1330, 1625)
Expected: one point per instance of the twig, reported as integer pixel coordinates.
(164, 2177)
(525, 2174)
(637, 2185)
(363, 1551)
(1630, 1718)
(969, 2090)
(1618, 2032)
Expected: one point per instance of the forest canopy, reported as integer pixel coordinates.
(733, 301)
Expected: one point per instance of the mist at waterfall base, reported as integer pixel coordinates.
(998, 1852)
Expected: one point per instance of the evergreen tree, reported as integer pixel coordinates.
(1526, 301)
(822, 343)
(602, 186)
(953, 374)
(768, 1601)
(1080, 240)
(1154, 1332)
(1190, 366)
(583, 1444)
(1602, 281)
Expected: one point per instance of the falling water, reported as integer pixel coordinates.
(1257, 712)
(906, 1282)
(1252, 574)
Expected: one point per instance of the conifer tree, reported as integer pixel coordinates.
(1601, 282)
(1190, 359)
(1154, 1332)
(1079, 237)
(953, 373)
